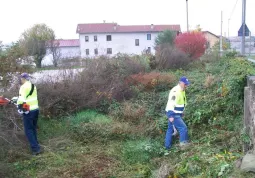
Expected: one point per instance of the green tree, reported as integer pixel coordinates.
(11, 59)
(225, 45)
(34, 41)
(165, 37)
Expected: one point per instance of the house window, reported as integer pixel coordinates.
(86, 38)
(148, 36)
(87, 51)
(137, 42)
(96, 51)
(109, 50)
(108, 37)
(95, 38)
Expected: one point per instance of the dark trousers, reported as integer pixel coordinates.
(30, 126)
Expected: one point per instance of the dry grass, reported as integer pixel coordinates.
(149, 81)
(209, 81)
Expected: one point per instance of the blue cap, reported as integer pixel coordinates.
(25, 76)
(184, 80)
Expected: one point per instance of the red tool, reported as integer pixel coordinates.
(4, 101)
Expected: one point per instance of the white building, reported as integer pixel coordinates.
(68, 49)
(111, 38)
(236, 42)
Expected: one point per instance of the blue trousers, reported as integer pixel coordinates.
(181, 128)
(30, 126)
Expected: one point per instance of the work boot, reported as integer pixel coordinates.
(166, 152)
(185, 145)
(35, 153)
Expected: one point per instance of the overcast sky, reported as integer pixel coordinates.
(64, 15)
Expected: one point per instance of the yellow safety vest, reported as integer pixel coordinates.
(31, 100)
(176, 100)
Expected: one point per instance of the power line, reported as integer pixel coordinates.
(231, 15)
(233, 9)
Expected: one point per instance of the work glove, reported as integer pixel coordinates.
(20, 111)
(14, 100)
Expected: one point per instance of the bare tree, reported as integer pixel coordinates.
(55, 51)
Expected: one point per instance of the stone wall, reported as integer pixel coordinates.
(249, 114)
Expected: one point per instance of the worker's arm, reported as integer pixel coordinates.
(171, 104)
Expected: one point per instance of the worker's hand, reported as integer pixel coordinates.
(14, 99)
(171, 119)
(20, 111)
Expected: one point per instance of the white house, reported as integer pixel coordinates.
(236, 42)
(68, 49)
(111, 38)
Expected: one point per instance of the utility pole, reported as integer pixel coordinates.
(228, 27)
(187, 15)
(221, 35)
(250, 45)
(243, 26)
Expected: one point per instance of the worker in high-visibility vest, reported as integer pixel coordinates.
(174, 111)
(28, 107)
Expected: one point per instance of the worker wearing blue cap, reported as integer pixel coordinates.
(174, 111)
(28, 107)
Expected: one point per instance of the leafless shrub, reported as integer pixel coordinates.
(148, 81)
(100, 81)
(168, 57)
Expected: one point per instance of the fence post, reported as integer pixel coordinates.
(246, 116)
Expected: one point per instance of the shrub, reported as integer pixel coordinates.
(168, 57)
(218, 100)
(90, 126)
(152, 80)
(210, 56)
(192, 43)
(231, 54)
(100, 83)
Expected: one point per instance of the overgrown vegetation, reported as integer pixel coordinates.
(109, 121)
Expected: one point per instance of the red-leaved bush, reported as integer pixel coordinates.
(192, 43)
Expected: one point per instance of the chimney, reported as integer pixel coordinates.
(152, 26)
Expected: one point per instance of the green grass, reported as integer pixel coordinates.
(90, 116)
(138, 157)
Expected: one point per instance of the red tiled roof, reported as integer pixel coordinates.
(68, 43)
(115, 28)
(65, 43)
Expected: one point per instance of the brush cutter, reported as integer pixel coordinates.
(21, 109)
(5, 101)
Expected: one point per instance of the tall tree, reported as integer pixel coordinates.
(10, 64)
(34, 41)
(165, 37)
